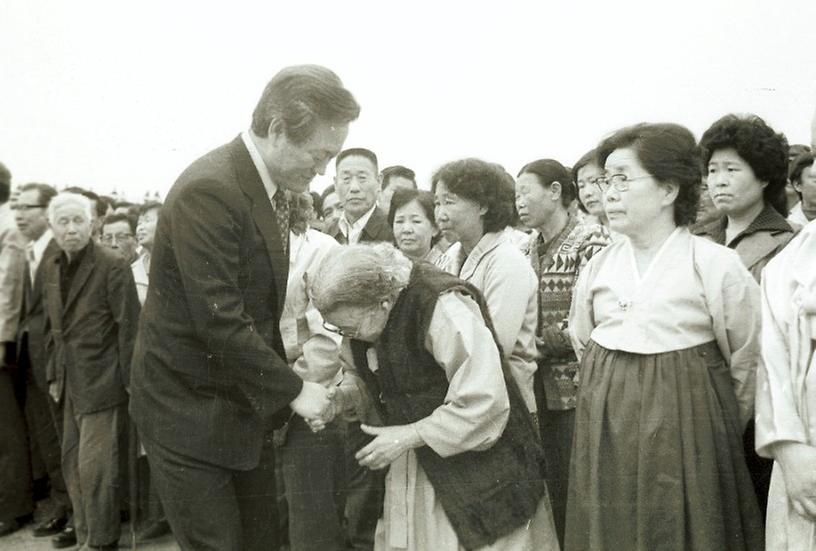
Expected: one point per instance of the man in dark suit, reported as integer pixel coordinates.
(16, 502)
(92, 312)
(210, 377)
(358, 183)
(358, 186)
(43, 417)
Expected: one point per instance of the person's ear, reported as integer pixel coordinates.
(556, 190)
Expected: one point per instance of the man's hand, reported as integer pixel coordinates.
(389, 444)
(313, 401)
(798, 463)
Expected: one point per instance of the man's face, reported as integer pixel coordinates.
(72, 227)
(332, 207)
(357, 184)
(293, 166)
(30, 215)
(119, 238)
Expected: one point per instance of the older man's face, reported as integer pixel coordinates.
(72, 227)
(119, 238)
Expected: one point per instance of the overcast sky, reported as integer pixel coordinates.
(123, 95)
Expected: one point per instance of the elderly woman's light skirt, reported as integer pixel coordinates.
(413, 518)
(657, 460)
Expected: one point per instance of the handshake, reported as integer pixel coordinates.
(318, 405)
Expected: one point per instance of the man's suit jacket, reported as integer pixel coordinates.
(210, 377)
(90, 335)
(375, 230)
(32, 317)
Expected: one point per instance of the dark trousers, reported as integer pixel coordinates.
(556, 428)
(365, 491)
(759, 467)
(40, 414)
(313, 473)
(212, 508)
(90, 465)
(15, 467)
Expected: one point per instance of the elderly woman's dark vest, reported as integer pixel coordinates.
(486, 494)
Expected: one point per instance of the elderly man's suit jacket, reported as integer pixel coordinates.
(210, 377)
(32, 316)
(375, 230)
(91, 333)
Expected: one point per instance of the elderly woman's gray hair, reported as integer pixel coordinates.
(360, 275)
(66, 198)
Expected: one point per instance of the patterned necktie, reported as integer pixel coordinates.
(281, 203)
(32, 261)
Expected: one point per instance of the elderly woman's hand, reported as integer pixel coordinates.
(389, 444)
(797, 461)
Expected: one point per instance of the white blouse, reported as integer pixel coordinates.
(694, 292)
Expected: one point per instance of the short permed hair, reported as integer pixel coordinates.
(765, 151)
(301, 97)
(548, 171)
(669, 153)
(482, 182)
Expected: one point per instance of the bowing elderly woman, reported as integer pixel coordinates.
(466, 467)
(666, 327)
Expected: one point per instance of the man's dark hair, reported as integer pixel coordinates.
(357, 152)
(5, 183)
(326, 192)
(397, 171)
(317, 203)
(484, 183)
(44, 192)
(120, 217)
(669, 153)
(301, 97)
(765, 151)
(798, 166)
(548, 171)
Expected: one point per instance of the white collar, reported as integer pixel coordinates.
(40, 244)
(358, 225)
(260, 165)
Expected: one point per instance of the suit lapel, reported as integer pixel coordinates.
(35, 291)
(377, 228)
(83, 272)
(262, 214)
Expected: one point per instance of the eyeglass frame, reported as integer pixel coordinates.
(338, 331)
(25, 208)
(117, 237)
(619, 182)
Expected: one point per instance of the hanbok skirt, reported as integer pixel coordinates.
(657, 459)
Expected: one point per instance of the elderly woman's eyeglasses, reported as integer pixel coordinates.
(619, 182)
(349, 334)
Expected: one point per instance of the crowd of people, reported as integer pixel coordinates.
(609, 355)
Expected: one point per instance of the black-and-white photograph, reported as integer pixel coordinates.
(361, 276)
